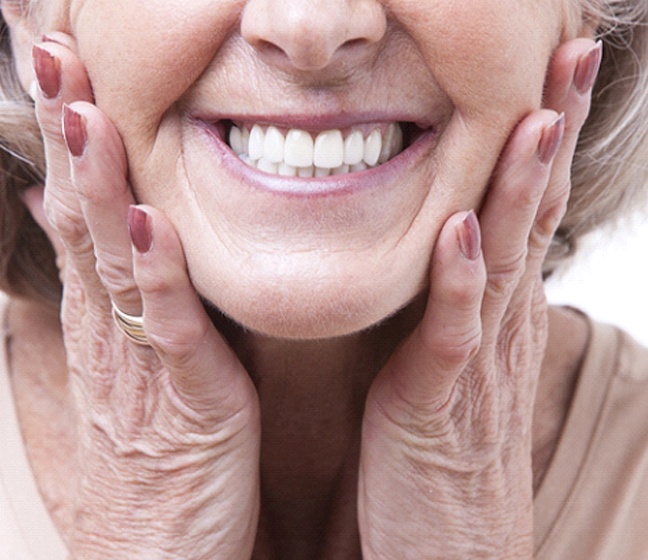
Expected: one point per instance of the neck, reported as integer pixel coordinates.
(312, 395)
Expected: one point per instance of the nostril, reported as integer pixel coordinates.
(307, 35)
(269, 49)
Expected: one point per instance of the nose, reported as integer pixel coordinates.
(310, 35)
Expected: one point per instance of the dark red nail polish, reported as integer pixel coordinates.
(48, 72)
(587, 68)
(551, 139)
(469, 236)
(74, 131)
(139, 229)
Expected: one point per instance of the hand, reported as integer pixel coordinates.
(168, 433)
(445, 468)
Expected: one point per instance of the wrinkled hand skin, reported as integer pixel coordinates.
(445, 468)
(168, 434)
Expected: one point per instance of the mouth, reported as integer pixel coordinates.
(296, 152)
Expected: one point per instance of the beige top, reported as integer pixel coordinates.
(26, 529)
(593, 501)
(592, 504)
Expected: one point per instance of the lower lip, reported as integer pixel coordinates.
(320, 186)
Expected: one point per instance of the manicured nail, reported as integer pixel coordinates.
(587, 68)
(48, 72)
(551, 139)
(139, 229)
(469, 236)
(74, 131)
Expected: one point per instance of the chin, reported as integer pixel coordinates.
(310, 310)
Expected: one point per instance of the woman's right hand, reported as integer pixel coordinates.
(168, 434)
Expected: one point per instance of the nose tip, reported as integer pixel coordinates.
(308, 35)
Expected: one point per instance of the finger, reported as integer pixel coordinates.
(62, 79)
(570, 79)
(424, 370)
(99, 171)
(205, 372)
(511, 206)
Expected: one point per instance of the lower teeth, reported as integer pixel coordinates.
(286, 170)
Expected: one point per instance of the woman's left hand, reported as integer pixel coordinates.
(445, 468)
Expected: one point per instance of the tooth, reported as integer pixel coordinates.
(298, 148)
(373, 145)
(306, 171)
(287, 170)
(236, 140)
(273, 145)
(268, 166)
(354, 148)
(392, 143)
(245, 138)
(330, 154)
(329, 149)
(255, 147)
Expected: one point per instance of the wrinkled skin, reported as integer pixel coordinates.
(170, 435)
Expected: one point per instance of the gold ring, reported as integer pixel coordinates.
(131, 325)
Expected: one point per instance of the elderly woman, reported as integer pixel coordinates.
(276, 284)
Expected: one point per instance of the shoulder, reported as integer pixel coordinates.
(617, 353)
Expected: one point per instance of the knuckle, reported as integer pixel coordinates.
(116, 275)
(177, 345)
(552, 211)
(463, 293)
(67, 221)
(514, 346)
(504, 276)
(153, 285)
(73, 231)
(461, 347)
(453, 347)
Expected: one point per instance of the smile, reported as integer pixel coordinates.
(294, 152)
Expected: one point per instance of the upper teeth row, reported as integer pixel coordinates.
(297, 153)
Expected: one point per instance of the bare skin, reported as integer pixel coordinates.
(46, 416)
(424, 421)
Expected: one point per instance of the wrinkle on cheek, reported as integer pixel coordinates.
(488, 56)
(142, 56)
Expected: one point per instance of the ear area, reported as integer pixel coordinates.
(16, 17)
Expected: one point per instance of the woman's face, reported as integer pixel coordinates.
(292, 256)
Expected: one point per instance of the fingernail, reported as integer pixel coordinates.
(48, 72)
(469, 236)
(74, 131)
(139, 229)
(551, 139)
(587, 68)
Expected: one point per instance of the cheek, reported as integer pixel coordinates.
(489, 56)
(141, 56)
